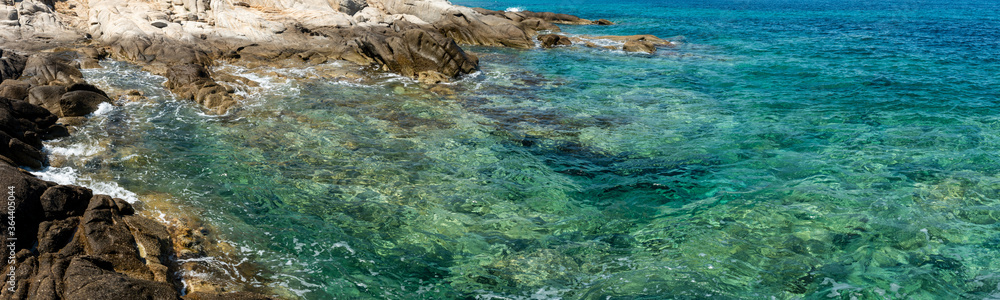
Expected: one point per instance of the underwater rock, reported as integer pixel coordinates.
(70, 243)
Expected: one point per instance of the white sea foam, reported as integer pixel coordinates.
(84, 150)
(103, 109)
(68, 175)
(514, 9)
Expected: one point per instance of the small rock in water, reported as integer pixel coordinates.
(639, 46)
(552, 40)
(603, 22)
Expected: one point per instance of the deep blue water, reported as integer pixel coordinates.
(786, 149)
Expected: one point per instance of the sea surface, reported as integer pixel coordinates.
(786, 149)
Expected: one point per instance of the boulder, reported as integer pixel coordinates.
(92, 278)
(14, 89)
(537, 24)
(46, 97)
(80, 103)
(49, 69)
(11, 64)
(475, 29)
(194, 82)
(552, 40)
(417, 51)
(556, 18)
(63, 201)
(603, 22)
(639, 46)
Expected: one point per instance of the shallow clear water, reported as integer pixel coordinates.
(788, 149)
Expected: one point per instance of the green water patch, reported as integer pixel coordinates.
(736, 172)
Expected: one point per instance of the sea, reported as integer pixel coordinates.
(783, 149)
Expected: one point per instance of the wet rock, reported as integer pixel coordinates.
(193, 82)
(603, 22)
(80, 103)
(639, 46)
(225, 296)
(553, 40)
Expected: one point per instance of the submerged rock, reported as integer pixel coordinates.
(70, 243)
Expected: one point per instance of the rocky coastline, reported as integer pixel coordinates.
(65, 242)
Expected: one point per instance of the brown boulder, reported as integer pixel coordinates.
(194, 82)
(484, 30)
(11, 65)
(556, 18)
(80, 103)
(50, 69)
(552, 40)
(537, 24)
(417, 51)
(46, 96)
(639, 46)
(14, 89)
(603, 22)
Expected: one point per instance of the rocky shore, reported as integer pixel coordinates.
(65, 242)
(62, 241)
(182, 39)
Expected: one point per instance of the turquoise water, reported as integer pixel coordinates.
(786, 150)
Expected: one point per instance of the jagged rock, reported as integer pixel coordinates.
(11, 64)
(417, 51)
(639, 46)
(352, 7)
(63, 201)
(20, 137)
(80, 103)
(95, 279)
(194, 82)
(28, 189)
(552, 40)
(484, 30)
(48, 69)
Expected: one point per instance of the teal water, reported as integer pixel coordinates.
(786, 150)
